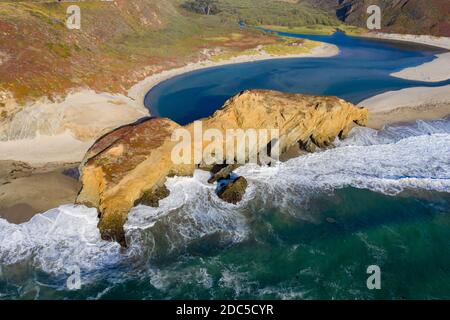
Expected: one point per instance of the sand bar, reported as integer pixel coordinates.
(434, 71)
(408, 105)
(440, 42)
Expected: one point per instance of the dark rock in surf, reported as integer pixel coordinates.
(234, 191)
(222, 172)
(151, 198)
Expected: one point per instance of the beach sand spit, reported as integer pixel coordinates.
(408, 105)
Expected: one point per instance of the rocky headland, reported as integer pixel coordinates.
(130, 165)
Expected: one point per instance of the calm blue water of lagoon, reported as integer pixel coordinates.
(361, 70)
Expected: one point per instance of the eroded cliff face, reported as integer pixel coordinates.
(130, 165)
(124, 166)
(85, 114)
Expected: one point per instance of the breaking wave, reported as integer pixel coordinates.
(390, 161)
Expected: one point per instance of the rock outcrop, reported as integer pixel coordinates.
(126, 167)
(131, 164)
(234, 191)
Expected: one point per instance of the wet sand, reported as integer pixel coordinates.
(377, 120)
(408, 105)
(26, 191)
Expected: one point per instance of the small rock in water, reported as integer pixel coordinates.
(234, 191)
(220, 172)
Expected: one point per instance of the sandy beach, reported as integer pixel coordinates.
(434, 71)
(413, 103)
(408, 105)
(62, 131)
(41, 189)
(44, 149)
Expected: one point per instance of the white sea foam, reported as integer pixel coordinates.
(170, 278)
(58, 240)
(393, 133)
(192, 211)
(389, 161)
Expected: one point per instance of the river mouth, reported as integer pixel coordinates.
(305, 230)
(360, 71)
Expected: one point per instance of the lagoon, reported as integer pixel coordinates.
(361, 70)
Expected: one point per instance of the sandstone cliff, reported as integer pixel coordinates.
(130, 165)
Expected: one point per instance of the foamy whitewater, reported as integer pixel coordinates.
(394, 160)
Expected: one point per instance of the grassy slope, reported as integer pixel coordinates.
(317, 29)
(115, 42)
(121, 42)
(273, 12)
(286, 16)
(282, 47)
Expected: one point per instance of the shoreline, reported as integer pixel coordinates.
(84, 115)
(41, 189)
(431, 41)
(416, 103)
(138, 91)
(407, 105)
(427, 72)
(402, 115)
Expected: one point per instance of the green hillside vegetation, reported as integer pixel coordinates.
(317, 29)
(116, 46)
(282, 47)
(272, 12)
(119, 45)
(312, 29)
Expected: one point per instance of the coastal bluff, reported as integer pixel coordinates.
(130, 165)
